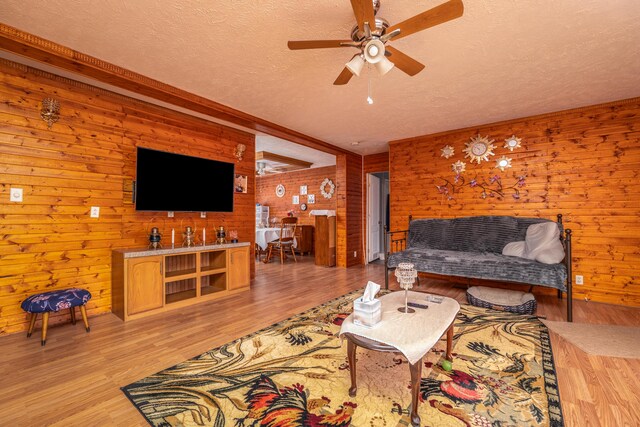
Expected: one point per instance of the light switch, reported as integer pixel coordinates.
(15, 194)
(170, 214)
(203, 214)
(95, 211)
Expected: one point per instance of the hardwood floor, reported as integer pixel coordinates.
(76, 378)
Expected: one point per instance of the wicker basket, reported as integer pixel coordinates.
(502, 299)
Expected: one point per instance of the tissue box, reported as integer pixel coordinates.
(366, 313)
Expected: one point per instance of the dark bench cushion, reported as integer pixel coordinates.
(469, 234)
(482, 265)
(56, 300)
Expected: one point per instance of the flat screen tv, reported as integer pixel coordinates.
(175, 182)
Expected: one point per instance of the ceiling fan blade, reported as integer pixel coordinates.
(445, 12)
(344, 77)
(317, 44)
(404, 62)
(363, 11)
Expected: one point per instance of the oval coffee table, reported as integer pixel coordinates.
(412, 334)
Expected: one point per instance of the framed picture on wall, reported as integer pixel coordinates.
(311, 198)
(303, 190)
(241, 183)
(296, 200)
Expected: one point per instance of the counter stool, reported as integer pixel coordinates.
(47, 302)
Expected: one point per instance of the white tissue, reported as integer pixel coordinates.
(370, 291)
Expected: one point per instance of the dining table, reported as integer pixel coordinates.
(266, 235)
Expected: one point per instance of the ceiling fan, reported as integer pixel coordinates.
(372, 33)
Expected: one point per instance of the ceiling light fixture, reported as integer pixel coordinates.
(373, 52)
(356, 64)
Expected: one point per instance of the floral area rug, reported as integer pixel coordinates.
(295, 373)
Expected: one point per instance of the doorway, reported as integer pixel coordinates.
(377, 214)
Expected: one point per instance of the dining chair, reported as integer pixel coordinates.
(285, 242)
(260, 252)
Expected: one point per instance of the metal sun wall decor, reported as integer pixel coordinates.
(512, 142)
(447, 151)
(478, 149)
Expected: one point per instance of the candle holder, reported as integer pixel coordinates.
(221, 236)
(188, 237)
(154, 238)
(406, 275)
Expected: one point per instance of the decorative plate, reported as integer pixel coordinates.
(479, 149)
(303, 207)
(327, 188)
(512, 142)
(280, 190)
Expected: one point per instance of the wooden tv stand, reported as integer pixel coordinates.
(146, 281)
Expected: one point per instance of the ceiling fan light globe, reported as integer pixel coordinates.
(374, 51)
(384, 66)
(355, 65)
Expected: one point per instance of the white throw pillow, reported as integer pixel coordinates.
(514, 249)
(542, 243)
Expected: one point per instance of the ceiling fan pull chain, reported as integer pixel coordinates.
(369, 98)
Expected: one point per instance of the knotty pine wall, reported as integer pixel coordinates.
(279, 206)
(349, 210)
(87, 159)
(582, 163)
(371, 163)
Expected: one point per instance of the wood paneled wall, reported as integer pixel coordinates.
(349, 210)
(87, 159)
(279, 206)
(582, 163)
(375, 163)
(371, 163)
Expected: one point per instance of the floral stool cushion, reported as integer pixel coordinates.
(56, 300)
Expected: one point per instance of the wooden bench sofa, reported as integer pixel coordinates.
(471, 247)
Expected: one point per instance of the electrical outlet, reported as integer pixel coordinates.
(579, 280)
(170, 214)
(203, 214)
(95, 212)
(15, 195)
(355, 254)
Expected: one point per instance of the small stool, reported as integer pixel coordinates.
(47, 302)
(502, 299)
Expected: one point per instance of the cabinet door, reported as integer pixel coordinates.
(144, 284)
(238, 268)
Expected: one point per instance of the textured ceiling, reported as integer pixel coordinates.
(500, 60)
(275, 145)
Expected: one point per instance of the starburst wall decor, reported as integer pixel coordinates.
(479, 149)
(447, 151)
(512, 142)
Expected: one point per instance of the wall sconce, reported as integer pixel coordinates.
(50, 112)
(240, 149)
